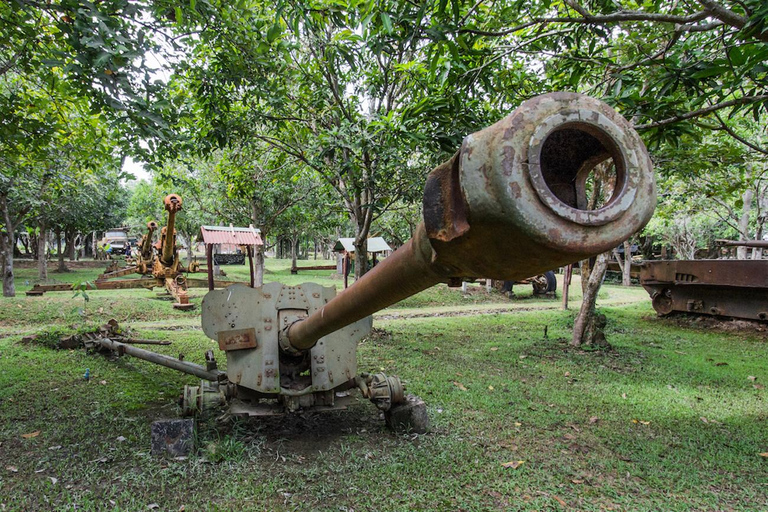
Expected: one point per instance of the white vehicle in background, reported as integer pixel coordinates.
(115, 239)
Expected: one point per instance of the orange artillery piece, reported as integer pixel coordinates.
(159, 265)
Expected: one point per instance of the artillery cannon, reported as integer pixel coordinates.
(158, 265)
(509, 204)
(146, 256)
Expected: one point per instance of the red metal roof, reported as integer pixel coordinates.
(231, 235)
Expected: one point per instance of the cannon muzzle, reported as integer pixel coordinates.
(172, 204)
(511, 203)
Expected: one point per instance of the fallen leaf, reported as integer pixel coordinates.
(567, 374)
(575, 481)
(752, 378)
(53, 480)
(634, 420)
(624, 396)
(153, 506)
(645, 422)
(705, 420)
(490, 388)
(758, 386)
(12, 469)
(721, 364)
(764, 454)
(103, 382)
(513, 464)
(39, 470)
(182, 508)
(570, 437)
(31, 434)
(559, 500)
(523, 357)
(594, 419)
(517, 424)
(120, 439)
(494, 349)
(57, 447)
(459, 385)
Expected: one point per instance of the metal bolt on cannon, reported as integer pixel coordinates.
(511, 203)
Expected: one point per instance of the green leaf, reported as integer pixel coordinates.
(274, 32)
(387, 22)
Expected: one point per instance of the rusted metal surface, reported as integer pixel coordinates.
(167, 249)
(301, 377)
(508, 205)
(295, 270)
(163, 360)
(757, 244)
(237, 339)
(231, 235)
(733, 288)
(145, 248)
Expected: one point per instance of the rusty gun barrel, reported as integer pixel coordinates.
(172, 204)
(146, 241)
(756, 244)
(511, 203)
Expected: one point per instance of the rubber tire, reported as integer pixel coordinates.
(551, 281)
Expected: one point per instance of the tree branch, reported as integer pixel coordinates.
(744, 100)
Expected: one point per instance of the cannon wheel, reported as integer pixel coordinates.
(551, 281)
(544, 283)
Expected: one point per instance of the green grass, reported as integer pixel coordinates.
(656, 423)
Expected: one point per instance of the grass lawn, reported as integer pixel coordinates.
(674, 417)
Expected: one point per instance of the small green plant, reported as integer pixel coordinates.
(80, 288)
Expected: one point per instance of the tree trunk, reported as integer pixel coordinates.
(741, 252)
(190, 250)
(361, 257)
(315, 240)
(42, 260)
(62, 266)
(70, 237)
(258, 263)
(626, 275)
(587, 328)
(7, 243)
(6, 250)
(94, 246)
(16, 251)
(294, 250)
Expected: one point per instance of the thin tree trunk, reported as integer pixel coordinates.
(9, 288)
(294, 250)
(42, 260)
(94, 246)
(190, 251)
(741, 252)
(62, 267)
(626, 279)
(585, 330)
(70, 237)
(258, 262)
(7, 243)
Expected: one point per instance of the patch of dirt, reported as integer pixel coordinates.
(717, 323)
(307, 433)
(26, 264)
